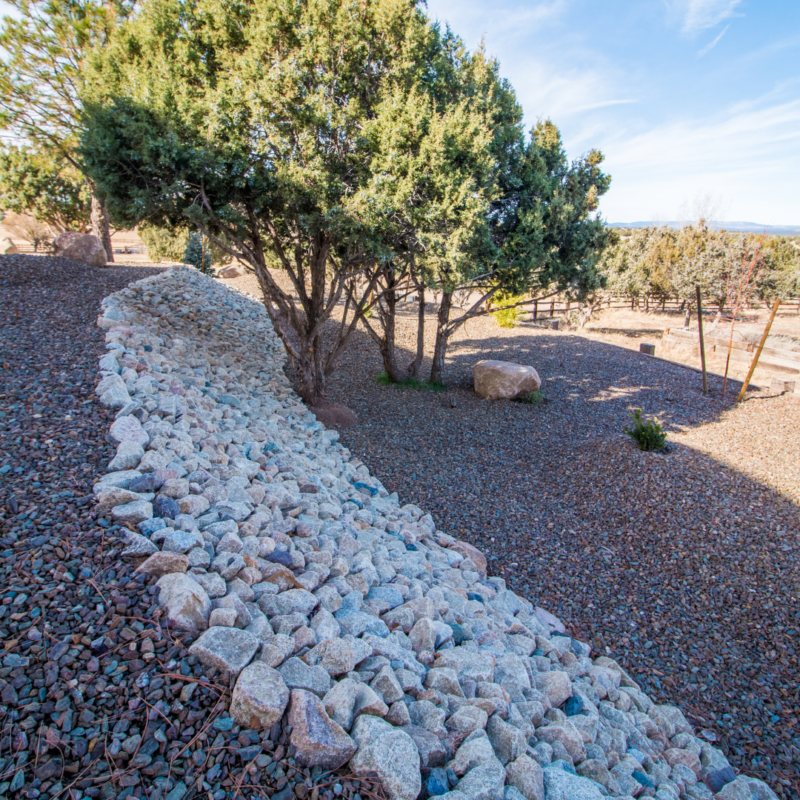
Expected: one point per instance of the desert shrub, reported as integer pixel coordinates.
(419, 384)
(31, 230)
(534, 398)
(170, 243)
(164, 244)
(509, 317)
(648, 434)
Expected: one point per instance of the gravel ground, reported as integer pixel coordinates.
(98, 699)
(683, 566)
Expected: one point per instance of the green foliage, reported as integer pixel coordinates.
(197, 254)
(344, 138)
(164, 243)
(167, 243)
(508, 317)
(534, 398)
(248, 121)
(46, 186)
(662, 263)
(648, 434)
(410, 383)
(44, 46)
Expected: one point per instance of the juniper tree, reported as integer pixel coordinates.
(45, 46)
(247, 121)
(46, 186)
(542, 231)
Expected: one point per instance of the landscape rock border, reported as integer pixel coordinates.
(383, 640)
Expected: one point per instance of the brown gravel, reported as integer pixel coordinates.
(98, 699)
(683, 566)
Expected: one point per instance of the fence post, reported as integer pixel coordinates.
(535, 308)
(702, 343)
(758, 352)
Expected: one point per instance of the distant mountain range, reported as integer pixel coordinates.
(738, 227)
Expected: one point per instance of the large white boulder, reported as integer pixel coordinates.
(81, 247)
(504, 380)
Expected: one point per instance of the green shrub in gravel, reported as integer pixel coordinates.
(410, 383)
(534, 398)
(648, 434)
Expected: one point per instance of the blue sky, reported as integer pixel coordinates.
(695, 103)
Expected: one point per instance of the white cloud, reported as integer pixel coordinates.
(506, 21)
(699, 15)
(709, 47)
(742, 155)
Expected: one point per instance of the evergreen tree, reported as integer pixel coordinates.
(247, 121)
(197, 254)
(46, 186)
(44, 50)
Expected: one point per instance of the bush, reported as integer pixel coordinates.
(419, 384)
(510, 316)
(648, 434)
(164, 244)
(197, 253)
(170, 243)
(534, 398)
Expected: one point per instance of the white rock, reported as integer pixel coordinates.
(129, 429)
(392, 755)
(135, 512)
(187, 604)
(260, 696)
(496, 380)
(128, 456)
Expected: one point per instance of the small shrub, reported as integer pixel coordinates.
(420, 385)
(534, 398)
(197, 253)
(509, 317)
(648, 434)
(170, 243)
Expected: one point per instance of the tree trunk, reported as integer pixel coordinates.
(388, 350)
(687, 317)
(440, 348)
(415, 366)
(100, 226)
(310, 375)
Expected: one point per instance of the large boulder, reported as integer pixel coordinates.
(81, 247)
(7, 247)
(503, 380)
(231, 271)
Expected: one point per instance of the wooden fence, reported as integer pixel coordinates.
(740, 351)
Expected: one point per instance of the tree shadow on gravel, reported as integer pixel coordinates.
(680, 567)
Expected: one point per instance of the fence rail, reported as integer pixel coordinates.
(740, 351)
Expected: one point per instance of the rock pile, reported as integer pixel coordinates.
(373, 638)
